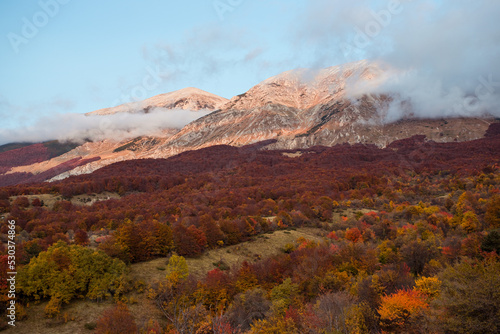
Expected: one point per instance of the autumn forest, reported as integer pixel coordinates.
(407, 240)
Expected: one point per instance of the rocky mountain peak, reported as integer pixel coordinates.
(189, 98)
(304, 88)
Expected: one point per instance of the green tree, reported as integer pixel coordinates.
(283, 294)
(470, 297)
(491, 242)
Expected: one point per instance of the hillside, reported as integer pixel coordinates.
(382, 222)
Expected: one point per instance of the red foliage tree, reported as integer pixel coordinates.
(117, 320)
(81, 238)
(187, 240)
(354, 235)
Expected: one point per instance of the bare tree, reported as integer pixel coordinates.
(176, 306)
(332, 309)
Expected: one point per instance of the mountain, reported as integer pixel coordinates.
(304, 108)
(297, 109)
(187, 99)
(304, 88)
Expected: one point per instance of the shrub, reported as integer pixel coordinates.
(90, 325)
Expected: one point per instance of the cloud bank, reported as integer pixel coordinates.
(120, 126)
(441, 56)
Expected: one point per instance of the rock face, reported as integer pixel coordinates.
(303, 88)
(304, 108)
(299, 109)
(186, 99)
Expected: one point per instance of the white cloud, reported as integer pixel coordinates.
(78, 127)
(443, 55)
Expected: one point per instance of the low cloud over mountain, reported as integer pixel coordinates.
(443, 55)
(120, 126)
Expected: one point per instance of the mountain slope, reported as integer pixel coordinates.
(26, 162)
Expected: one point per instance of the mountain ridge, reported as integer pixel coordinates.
(296, 109)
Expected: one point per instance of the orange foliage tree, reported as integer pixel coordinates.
(399, 309)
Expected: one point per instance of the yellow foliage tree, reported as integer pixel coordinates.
(274, 325)
(282, 295)
(177, 269)
(65, 272)
(429, 286)
(469, 222)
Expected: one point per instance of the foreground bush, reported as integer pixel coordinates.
(117, 320)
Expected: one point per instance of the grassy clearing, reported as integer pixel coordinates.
(349, 213)
(91, 199)
(262, 246)
(50, 199)
(78, 313)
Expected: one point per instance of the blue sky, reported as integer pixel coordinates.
(91, 53)
(87, 55)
